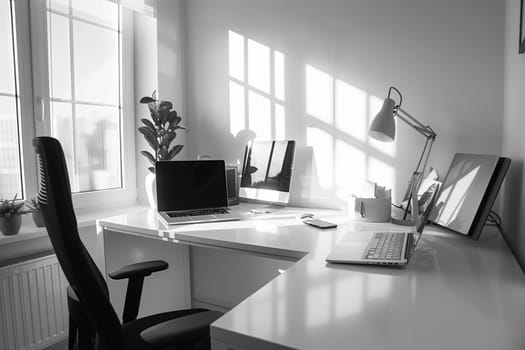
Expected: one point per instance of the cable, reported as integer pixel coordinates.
(494, 219)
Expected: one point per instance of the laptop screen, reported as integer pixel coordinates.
(191, 184)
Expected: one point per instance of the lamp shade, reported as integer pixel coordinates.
(383, 127)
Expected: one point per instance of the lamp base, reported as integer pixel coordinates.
(403, 222)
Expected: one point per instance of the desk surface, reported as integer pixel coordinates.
(455, 293)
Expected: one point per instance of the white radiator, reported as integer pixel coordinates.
(33, 304)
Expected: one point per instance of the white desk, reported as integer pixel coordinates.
(455, 293)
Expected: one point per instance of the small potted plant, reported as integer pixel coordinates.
(11, 212)
(160, 133)
(34, 209)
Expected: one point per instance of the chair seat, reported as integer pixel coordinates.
(176, 328)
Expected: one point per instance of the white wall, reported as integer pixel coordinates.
(146, 81)
(514, 129)
(158, 66)
(446, 57)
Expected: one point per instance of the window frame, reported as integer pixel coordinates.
(31, 47)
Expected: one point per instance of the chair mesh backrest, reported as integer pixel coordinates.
(56, 206)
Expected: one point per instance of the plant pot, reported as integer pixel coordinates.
(37, 219)
(151, 190)
(10, 225)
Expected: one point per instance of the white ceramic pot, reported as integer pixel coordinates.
(151, 190)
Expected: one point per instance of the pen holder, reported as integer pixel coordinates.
(372, 209)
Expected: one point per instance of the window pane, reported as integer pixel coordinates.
(10, 174)
(62, 129)
(98, 11)
(7, 78)
(59, 53)
(59, 5)
(98, 147)
(96, 64)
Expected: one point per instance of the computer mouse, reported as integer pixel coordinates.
(306, 215)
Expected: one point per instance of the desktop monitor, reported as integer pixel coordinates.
(267, 171)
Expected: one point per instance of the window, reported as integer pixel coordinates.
(83, 54)
(66, 71)
(10, 157)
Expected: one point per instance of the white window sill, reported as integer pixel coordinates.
(85, 218)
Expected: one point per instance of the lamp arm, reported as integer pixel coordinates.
(415, 124)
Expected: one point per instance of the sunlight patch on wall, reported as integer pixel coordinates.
(319, 94)
(257, 88)
(382, 173)
(259, 111)
(237, 112)
(280, 122)
(323, 150)
(259, 66)
(278, 73)
(236, 55)
(350, 168)
(351, 110)
(337, 130)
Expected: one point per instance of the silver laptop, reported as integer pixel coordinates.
(380, 248)
(192, 191)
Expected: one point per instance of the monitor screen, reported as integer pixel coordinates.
(191, 184)
(267, 171)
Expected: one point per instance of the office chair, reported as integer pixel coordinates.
(182, 329)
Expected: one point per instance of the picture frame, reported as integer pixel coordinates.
(522, 28)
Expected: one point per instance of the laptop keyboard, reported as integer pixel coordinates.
(385, 246)
(197, 212)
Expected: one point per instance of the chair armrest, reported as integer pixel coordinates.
(180, 331)
(141, 269)
(135, 273)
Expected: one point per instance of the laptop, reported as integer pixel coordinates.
(192, 191)
(381, 247)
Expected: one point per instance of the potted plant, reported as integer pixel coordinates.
(11, 212)
(160, 133)
(34, 209)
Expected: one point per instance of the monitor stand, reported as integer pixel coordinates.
(267, 209)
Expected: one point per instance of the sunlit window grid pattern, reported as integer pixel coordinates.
(11, 184)
(256, 87)
(337, 130)
(84, 55)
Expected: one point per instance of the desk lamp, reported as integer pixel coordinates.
(383, 128)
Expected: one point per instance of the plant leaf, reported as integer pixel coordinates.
(164, 115)
(166, 105)
(150, 137)
(154, 112)
(146, 99)
(149, 124)
(175, 121)
(163, 153)
(174, 151)
(166, 139)
(173, 115)
(149, 157)
(152, 169)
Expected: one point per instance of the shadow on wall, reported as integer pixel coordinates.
(512, 211)
(334, 152)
